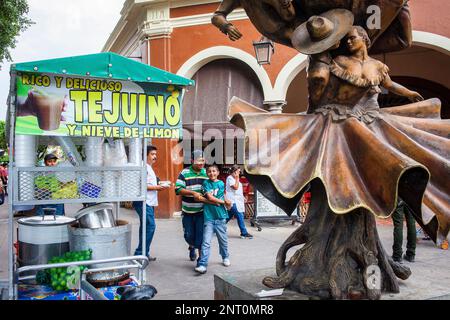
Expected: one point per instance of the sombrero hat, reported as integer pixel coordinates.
(321, 32)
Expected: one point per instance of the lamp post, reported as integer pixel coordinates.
(263, 49)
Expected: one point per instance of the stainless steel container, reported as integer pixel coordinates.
(98, 216)
(105, 243)
(41, 238)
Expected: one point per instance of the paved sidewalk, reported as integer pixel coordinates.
(173, 275)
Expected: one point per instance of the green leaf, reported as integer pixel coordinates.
(13, 20)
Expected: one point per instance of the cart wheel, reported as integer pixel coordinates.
(259, 229)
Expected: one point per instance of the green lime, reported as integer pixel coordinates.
(72, 283)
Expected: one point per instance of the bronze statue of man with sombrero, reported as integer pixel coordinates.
(278, 19)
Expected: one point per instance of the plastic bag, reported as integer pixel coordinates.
(70, 150)
(94, 152)
(135, 151)
(114, 154)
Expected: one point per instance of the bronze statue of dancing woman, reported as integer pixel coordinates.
(357, 158)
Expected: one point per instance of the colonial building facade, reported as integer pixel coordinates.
(177, 36)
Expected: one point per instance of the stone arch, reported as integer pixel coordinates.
(197, 61)
(287, 74)
(300, 61)
(432, 41)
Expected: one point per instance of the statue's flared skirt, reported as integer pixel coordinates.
(404, 152)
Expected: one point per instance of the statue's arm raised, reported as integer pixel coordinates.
(396, 88)
(219, 19)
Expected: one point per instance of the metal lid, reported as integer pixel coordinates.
(45, 221)
(91, 209)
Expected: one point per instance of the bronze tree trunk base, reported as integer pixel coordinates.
(338, 254)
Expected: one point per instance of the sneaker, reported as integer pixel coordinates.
(226, 262)
(246, 236)
(192, 254)
(399, 260)
(408, 258)
(200, 269)
(444, 245)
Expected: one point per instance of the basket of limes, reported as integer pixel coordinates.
(64, 278)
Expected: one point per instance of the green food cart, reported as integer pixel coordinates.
(76, 101)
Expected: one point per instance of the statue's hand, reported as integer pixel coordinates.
(415, 97)
(233, 32)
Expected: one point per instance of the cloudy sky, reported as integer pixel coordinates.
(62, 28)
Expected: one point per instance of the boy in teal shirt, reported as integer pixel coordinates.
(215, 219)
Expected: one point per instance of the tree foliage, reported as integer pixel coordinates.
(13, 20)
(3, 142)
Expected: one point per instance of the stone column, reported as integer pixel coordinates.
(275, 106)
(157, 30)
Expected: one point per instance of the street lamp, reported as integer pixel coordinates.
(263, 49)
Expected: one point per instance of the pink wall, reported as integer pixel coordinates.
(431, 16)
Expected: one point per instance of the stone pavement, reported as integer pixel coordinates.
(173, 275)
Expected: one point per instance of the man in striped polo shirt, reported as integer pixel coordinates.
(189, 186)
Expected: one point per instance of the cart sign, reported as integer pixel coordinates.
(265, 208)
(49, 104)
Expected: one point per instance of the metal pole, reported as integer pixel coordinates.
(81, 291)
(117, 205)
(144, 203)
(37, 267)
(90, 289)
(141, 276)
(11, 255)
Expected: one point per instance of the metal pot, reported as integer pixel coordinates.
(105, 243)
(96, 217)
(42, 238)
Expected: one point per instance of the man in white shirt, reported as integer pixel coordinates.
(152, 201)
(235, 194)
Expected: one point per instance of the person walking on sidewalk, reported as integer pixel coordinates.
(235, 194)
(402, 212)
(152, 201)
(189, 186)
(215, 216)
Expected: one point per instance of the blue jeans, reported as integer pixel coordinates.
(193, 229)
(59, 209)
(240, 219)
(150, 227)
(220, 228)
